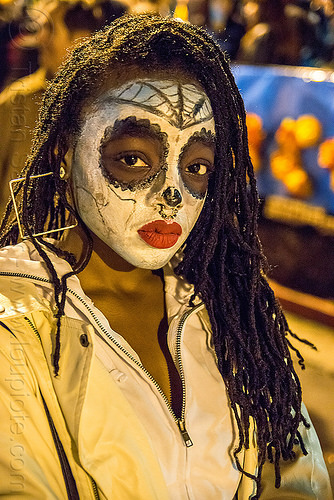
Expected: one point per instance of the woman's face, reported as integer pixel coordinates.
(141, 166)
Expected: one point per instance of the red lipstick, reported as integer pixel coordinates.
(160, 234)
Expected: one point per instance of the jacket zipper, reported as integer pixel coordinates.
(180, 422)
(33, 327)
(96, 493)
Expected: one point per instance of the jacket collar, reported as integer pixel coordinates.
(24, 259)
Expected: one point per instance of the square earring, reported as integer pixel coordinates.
(11, 183)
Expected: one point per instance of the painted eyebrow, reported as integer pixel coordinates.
(203, 136)
(133, 127)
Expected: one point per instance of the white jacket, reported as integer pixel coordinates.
(120, 437)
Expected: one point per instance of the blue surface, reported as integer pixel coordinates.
(275, 92)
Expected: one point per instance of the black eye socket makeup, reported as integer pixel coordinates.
(196, 162)
(132, 153)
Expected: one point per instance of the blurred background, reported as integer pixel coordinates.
(282, 57)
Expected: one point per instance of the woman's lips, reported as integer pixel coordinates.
(160, 234)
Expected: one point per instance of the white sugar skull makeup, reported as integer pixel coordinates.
(141, 167)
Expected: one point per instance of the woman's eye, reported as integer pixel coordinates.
(132, 161)
(197, 168)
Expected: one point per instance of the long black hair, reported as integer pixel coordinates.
(223, 257)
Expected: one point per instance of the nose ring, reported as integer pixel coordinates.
(172, 196)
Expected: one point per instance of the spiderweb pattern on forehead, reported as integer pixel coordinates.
(182, 105)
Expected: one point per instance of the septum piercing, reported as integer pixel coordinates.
(173, 211)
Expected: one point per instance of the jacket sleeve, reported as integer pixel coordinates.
(305, 478)
(29, 465)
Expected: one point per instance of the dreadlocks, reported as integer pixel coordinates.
(223, 257)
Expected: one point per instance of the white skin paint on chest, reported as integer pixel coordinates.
(123, 168)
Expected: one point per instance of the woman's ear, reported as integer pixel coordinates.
(66, 165)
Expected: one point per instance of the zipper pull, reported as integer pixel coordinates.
(184, 433)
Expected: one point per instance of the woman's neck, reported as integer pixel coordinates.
(132, 299)
(106, 271)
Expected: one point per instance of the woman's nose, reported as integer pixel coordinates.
(172, 196)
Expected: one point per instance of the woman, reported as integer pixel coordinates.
(143, 373)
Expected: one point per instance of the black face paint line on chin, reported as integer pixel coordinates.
(205, 137)
(134, 128)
